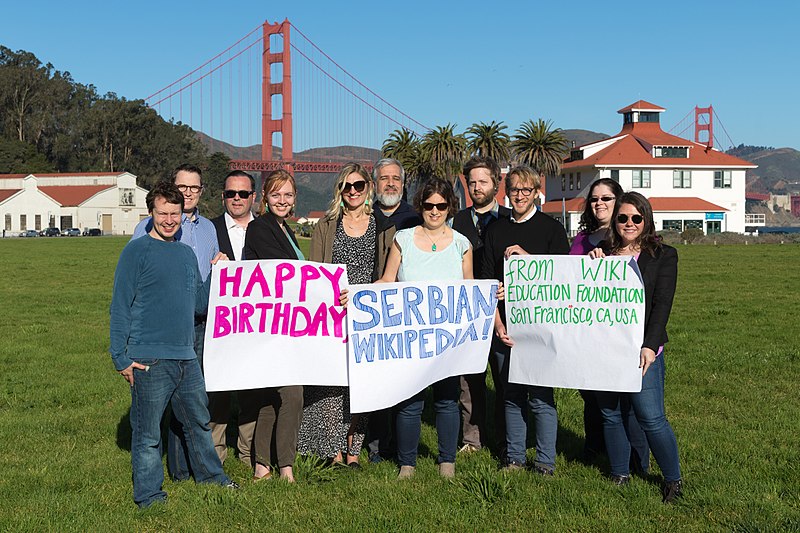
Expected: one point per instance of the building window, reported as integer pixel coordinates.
(682, 179)
(575, 155)
(627, 118)
(648, 116)
(713, 226)
(689, 224)
(615, 175)
(641, 179)
(37, 219)
(571, 181)
(673, 225)
(671, 151)
(23, 222)
(563, 182)
(8, 221)
(722, 179)
(578, 181)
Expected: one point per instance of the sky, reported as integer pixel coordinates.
(575, 63)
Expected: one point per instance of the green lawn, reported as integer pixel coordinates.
(732, 398)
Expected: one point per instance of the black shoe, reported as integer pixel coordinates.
(354, 466)
(231, 485)
(671, 491)
(512, 466)
(620, 480)
(543, 470)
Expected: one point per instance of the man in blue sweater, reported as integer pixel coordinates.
(158, 289)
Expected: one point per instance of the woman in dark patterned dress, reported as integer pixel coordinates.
(349, 234)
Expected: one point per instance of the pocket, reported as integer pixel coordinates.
(148, 362)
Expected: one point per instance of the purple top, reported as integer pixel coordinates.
(581, 244)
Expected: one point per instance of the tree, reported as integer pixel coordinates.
(488, 140)
(403, 145)
(537, 145)
(21, 157)
(444, 150)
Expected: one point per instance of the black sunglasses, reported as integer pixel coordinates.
(606, 199)
(428, 206)
(359, 186)
(623, 219)
(232, 194)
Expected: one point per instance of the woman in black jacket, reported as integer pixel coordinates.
(633, 233)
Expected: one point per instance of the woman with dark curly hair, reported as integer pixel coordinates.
(431, 251)
(633, 234)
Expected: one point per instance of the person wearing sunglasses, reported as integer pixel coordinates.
(527, 232)
(595, 229)
(633, 234)
(237, 198)
(270, 237)
(431, 251)
(348, 234)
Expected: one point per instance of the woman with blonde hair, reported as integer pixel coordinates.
(349, 234)
(270, 237)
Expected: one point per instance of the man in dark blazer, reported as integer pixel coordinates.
(237, 196)
(482, 175)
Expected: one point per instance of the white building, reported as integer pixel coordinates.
(109, 201)
(689, 184)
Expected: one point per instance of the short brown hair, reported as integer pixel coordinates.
(482, 162)
(437, 186)
(166, 190)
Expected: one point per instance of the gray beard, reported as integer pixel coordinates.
(389, 200)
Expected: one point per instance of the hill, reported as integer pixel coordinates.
(778, 169)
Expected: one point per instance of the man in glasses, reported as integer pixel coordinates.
(526, 232)
(482, 175)
(390, 178)
(200, 235)
(238, 196)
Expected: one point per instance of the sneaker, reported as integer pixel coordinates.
(671, 491)
(543, 470)
(406, 472)
(620, 480)
(513, 466)
(447, 470)
(468, 448)
(231, 485)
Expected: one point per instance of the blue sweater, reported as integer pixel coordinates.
(157, 292)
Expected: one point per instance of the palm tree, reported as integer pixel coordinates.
(488, 140)
(404, 145)
(537, 145)
(444, 150)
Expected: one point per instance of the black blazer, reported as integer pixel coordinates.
(223, 238)
(464, 224)
(265, 239)
(660, 276)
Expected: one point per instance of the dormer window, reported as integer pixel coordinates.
(576, 155)
(671, 151)
(648, 116)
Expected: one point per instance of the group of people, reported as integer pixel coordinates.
(161, 293)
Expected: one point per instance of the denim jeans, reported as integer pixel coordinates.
(517, 399)
(648, 406)
(177, 449)
(179, 383)
(448, 419)
(594, 443)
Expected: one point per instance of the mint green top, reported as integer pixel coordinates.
(426, 265)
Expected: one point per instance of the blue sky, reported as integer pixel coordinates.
(573, 63)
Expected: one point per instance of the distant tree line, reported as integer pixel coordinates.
(51, 123)
(744, 150)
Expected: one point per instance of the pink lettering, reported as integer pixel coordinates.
(256, 278)
(245, 312)
(283, 272)
(222, 326)
(307, 273)
(333, 277)
(225, 279)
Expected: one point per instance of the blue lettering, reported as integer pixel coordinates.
(424, 352)
(388, 319)
(364, 347)
(443, 339)
(437, 313)
(411, 305)
(358, 304)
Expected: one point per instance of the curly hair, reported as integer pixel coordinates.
(647, 241)
(436, 186)
(588, 221)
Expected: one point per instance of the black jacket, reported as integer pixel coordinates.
(464, 224)
(265, 239)
(222, 237)
(660, 276)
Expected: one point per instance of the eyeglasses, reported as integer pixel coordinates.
(358, 186)
(428, 206)
(524, 191)
(605, 199)
(232, 194)
(194, 188)
(623, 219)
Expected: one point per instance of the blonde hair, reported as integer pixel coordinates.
(526, 174)
(336, 207)
(274, 181)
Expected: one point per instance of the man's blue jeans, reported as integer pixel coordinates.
(179, 383)
(648, 406)
(517, 398)
(448, 420)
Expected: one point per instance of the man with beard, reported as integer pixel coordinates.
(482, 175)
(390, 178)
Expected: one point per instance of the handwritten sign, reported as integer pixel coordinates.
(406, 336)
(273, 323)
(576, 322)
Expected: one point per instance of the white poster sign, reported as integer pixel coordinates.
(275, 322)
(406, 336)
(576, 322)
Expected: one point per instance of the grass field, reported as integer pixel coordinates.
(732, 397)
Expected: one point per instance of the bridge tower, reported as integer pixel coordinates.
(282, 125)
(707, 127)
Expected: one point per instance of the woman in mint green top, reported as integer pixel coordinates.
(432, 251)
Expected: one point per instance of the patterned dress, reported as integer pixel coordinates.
(326, 411)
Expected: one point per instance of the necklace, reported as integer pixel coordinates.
(353, 223)
(433, 242)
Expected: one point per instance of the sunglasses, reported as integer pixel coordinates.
(428, 206)
(605, 199)
(358, 186)
(232, 194)
(623, 219)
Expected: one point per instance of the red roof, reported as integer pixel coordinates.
(756, 196)
(316, 214)
(72, 195)
(5, 194)
(641, 105)
(691, 203)
(573, 205)
(57, 175)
